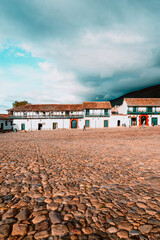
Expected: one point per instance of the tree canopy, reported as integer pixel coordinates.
(20, 103)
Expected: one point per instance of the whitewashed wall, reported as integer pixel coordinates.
(8, 127)
(123, 108)
(143, 109)
(123, 120)
(47, 124)
(97, 122)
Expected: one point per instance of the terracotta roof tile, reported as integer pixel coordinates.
(96, 105)
(47, 107)
(61, 107)
(142, 101)
(3, 116)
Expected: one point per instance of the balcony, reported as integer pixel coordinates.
(97, 115)
(143, 112)
(46, 117)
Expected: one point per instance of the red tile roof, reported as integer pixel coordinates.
(3, 116)
(61, 107)
(96, 105)
(142, 101)
(47, 107)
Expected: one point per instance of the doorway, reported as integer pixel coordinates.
(39, 126)
(1, 126)
(74, 124)
(143, 120)
(133, 121)
(22, 126)
(118, 123)
(55, 125)
(105, 123)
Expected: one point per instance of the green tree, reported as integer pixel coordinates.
(20, 103)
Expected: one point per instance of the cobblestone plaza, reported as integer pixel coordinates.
(74, 184)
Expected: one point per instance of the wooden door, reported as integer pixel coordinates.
(22, 126)
(105, 123)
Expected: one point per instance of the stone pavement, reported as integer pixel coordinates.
(74, 184)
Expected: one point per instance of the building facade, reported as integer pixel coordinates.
(141, 111)
(61, 116)
(132, 112)
(6, 124)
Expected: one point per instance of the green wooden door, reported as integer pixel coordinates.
(155, 121)
(105, 123)
(87, 123)
(22, 126)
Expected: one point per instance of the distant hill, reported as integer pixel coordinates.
(149, 92)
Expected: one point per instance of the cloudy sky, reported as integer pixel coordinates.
(70, 51)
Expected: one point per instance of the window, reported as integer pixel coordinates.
(67, 113)
(87, 112)
(25, 114)
(149, 109)
(154, 121)
(134, 109)
(11, 123)
(105, 111)
(44, 113)
(6, 123)
(87, 123)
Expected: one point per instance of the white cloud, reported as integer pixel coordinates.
(117, 36)
(61, 87)
(19, 54)
(40, 85)
(102, 54)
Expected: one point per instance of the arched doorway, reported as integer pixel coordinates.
(118, 123)
(143, 120)
(73, 124)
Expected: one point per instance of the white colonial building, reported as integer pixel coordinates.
(141, 111)
(132, 112)
(6, 124)
(64, 116)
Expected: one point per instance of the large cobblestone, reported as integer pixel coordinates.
(74, 184)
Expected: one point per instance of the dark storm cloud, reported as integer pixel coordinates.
(57, 18)
(61, 18)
